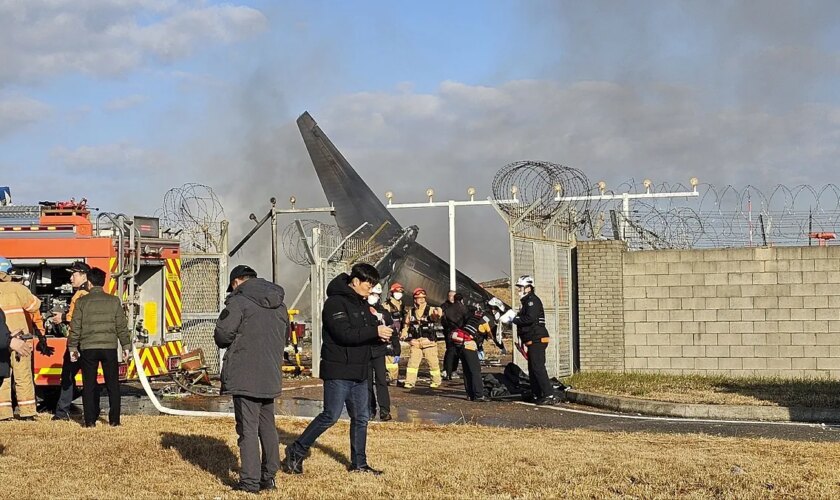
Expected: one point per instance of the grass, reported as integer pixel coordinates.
(703, 389)
(169, 457)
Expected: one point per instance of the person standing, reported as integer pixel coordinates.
(69, 368)
(19, 306)
(394, 306)
(530, 326)
(466, 343)
(349, 332)
(252, 328)
(454, 317)
(10, 344)
(98, 328)
(378, 393)
(419, 327)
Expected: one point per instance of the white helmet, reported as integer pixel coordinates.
(497, 303)
(524, 281)
(377, 289)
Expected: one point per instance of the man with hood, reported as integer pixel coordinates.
(252, 328)
(350, 331)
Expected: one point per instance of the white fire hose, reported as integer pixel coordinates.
(144, 381)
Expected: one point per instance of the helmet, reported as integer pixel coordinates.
(5, 265)
(524, 281)
(497, 303)
(396, 287)
(419, 291)
(377, 289)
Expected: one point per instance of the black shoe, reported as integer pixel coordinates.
(549, 400)
(268, 484)
(246, 489)
(86, 424)
(385, 417)
(366, 469)
(293, 463)
(114, 424)
(61, 417)
(482, 399)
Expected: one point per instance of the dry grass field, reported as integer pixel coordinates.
(704, 389)
(168, 457)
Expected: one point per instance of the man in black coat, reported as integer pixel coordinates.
(349, 332)
(455, 315)
(252, 328)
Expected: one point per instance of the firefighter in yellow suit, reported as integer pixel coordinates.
(418, 326)
(20, 308)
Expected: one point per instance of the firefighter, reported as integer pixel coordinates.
(69, 369)
(394, 305)
(19, 306)
(418, 326)
(466, 342)
(378, 353)
(530, 326)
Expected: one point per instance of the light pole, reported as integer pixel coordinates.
(626, 197)
(451, 204)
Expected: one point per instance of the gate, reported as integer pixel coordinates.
(204, 282)
(546, 255)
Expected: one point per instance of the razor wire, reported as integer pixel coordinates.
(355, 249)
(195, 212)
(720, 217)
(541, 187)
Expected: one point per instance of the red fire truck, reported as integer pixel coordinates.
(143, 264)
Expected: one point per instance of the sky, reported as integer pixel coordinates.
(120, 100)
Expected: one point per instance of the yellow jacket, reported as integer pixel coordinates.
(16, 301)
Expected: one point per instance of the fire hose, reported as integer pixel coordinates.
(144, 381)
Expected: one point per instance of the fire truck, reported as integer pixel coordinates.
(143, 264)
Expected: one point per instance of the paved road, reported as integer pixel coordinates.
(448, 406)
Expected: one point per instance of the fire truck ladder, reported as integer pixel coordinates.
(128, 259)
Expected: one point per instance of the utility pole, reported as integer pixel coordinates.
(272, 214)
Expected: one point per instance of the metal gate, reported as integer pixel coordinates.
(546, 255)
(204, 281)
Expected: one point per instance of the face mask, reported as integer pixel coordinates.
(397, 296)
(373, 299)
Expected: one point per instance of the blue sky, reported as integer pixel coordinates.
(119, 101)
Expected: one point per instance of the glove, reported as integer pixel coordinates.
(507, 318)
(396, 359)
(43, 347)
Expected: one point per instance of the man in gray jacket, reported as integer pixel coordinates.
(252, 328)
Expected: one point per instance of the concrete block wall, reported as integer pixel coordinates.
(746, 311)
(600, 282)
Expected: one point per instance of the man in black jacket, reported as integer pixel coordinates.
(530, 326)
(455, 315)
(252, 328)
(349, 332)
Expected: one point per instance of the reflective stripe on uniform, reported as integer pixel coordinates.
(412, 370)
(23, 403)
(4, 403)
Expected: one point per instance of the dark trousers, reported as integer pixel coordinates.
(472, 372)
(69, 370)
(257, 433)
(450, 357)
(90, 360)
(337, 394)
(540, 385)
(378, 387)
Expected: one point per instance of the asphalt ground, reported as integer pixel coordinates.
(448, 405)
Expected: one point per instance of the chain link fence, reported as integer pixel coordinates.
(545, 254)
(203, 279)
